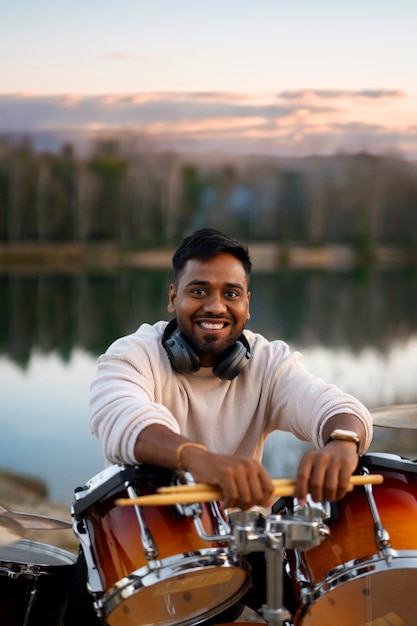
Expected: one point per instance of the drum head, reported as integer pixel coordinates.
(184, 599)
(383, 597)
(26, 552)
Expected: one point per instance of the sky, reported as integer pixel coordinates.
(281, 77)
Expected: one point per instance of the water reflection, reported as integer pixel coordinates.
(62, 312)
(43, 421)
(356, 329)
(337, 309)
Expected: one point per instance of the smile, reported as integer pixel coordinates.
(211, 326)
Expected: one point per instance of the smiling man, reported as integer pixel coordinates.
(203, 379)
(201, 393)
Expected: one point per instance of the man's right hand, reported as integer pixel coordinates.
(244, 482)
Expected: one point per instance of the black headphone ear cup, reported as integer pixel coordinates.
(181, 355)
(184, 360)
(233, 361)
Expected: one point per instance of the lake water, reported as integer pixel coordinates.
(357, 330)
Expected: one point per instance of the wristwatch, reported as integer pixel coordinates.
(345, 435)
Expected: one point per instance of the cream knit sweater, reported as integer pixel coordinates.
(136, 386)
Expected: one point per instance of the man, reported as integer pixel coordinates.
(202, 393)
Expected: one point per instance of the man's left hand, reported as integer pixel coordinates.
(325, 473)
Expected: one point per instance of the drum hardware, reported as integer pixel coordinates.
(223, 534)
(382, 537)
(151, 551)
(31, 601)
(313, 510)
(279, 533)
(94, 583)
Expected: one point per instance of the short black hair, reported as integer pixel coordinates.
(207, 243)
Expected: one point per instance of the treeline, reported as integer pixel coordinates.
(137, 196)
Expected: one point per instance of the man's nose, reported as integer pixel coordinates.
(215, 303)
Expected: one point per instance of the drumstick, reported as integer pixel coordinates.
(279, 483)
(209, 493)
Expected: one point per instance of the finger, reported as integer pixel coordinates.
(245, 497)
(330, 485)
(344, 483)
(303, 477)
(230, 492)
(237, 489)
(261, 488)
(268, 488)
(250, 486)
(322, 482)
(250, 491)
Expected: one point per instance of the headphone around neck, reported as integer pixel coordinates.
(184, 359)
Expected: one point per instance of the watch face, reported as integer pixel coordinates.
(345, 435)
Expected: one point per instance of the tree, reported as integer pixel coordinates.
(109, 170)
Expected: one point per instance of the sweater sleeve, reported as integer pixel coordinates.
(122, 403)
(303, 403)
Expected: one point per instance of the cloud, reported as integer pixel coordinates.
(292, 122)
(135, 110)
(331, 94)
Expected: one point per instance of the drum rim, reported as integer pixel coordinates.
(357, 569)
(110, 480)
(37, 549)
(387, 461)
(171, 567)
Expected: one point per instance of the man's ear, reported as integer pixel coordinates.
(171, 298)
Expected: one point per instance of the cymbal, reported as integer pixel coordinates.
(32, 521)
(395, 416)
(10, 530)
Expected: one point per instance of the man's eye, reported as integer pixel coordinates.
(232, 294)
(198, 292)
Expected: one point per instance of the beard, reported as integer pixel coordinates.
(207, 344)
(210, 345)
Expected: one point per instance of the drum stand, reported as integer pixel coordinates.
(273, 536)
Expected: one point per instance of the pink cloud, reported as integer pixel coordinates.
(308, 95)
(294, 122)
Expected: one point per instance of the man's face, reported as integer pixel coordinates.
(211, 304)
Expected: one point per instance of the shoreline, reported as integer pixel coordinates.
(28, 494)
(266, 256)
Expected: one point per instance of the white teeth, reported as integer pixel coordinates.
(211, 326)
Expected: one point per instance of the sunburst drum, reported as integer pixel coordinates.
(155, 564)
(365, 574)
